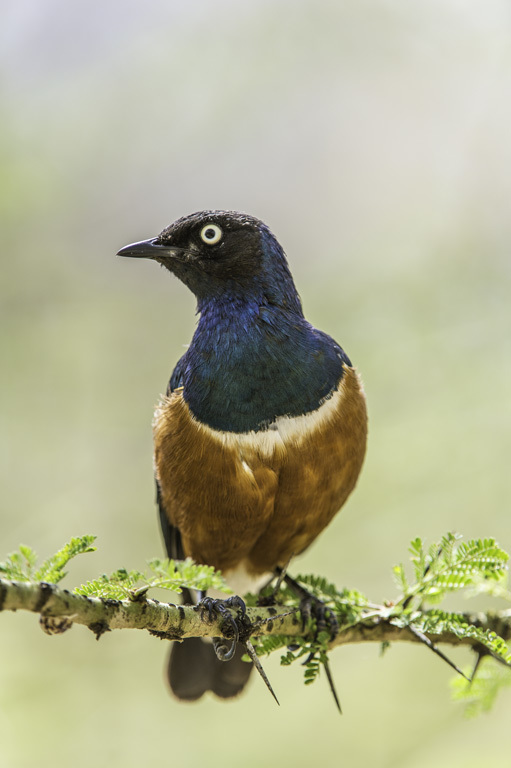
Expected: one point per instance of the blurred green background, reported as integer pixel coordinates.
(373, 138)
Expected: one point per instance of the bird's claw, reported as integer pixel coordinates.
(211, 608)
(224, 649)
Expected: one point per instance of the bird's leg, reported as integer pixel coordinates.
(313, 607)
(279, 574)
(210, 608)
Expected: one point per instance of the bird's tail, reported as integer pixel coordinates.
(193, 669)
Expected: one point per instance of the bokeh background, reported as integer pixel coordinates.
(373, 136)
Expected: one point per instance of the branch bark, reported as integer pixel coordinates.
(59, 609)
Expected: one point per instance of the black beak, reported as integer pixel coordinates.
(147, 249)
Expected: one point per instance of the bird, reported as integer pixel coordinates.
(261, 435)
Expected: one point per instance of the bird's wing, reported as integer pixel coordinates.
(170, 533)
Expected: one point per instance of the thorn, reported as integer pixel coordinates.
(281, 575)
(332, 684)
(276, 617)
(324, 661)
(407, 601)
(424, 639)
(257, 664)
(480, 655)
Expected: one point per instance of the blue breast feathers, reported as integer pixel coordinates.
(250, 363)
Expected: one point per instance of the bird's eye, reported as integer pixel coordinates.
(211, 234)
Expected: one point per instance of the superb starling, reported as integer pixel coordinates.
(261, 435)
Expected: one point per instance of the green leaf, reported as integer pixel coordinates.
(118, 586)
(449, 566)
(163, 574)
(20, 566)
(479, 695)
(52, 568)
(399, 574)
(266, 644)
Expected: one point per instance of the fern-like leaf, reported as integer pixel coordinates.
(21, 565)
(479, 695)
(52, 570)
(450, 566)
(163, 574)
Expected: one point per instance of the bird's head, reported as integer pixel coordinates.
(223, 255)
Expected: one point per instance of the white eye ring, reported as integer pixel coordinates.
(211, 234)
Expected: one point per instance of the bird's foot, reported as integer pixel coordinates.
(311, 607)
(211, 608)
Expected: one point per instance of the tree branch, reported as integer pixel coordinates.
(59, 609)
(379, 629)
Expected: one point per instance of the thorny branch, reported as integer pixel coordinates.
(59, 609)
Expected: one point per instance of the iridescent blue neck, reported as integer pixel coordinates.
(251, 362)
